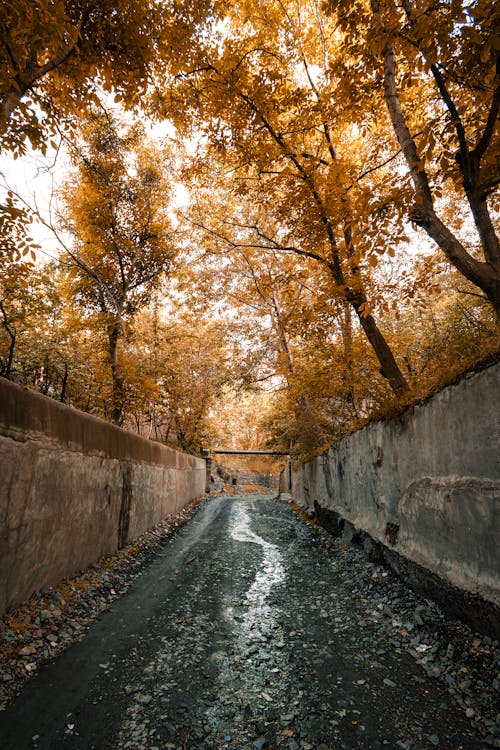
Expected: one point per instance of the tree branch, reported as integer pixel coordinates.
(485, 140)
(455, 117)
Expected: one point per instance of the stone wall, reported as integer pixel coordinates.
(425, 486)
(74, 488)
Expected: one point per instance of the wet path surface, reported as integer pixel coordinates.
(247, 631)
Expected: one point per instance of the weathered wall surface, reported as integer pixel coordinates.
(426, 484)
(74, 488)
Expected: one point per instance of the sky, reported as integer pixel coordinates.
(34, 178)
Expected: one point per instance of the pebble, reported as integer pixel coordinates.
(143, 699)
(259, 743)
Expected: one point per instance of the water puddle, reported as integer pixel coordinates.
(254, 668)
(259, 617)
(239, 672)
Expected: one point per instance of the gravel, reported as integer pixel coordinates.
(55, 617)
(277, 637)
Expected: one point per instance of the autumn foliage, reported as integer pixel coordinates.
(334, 253)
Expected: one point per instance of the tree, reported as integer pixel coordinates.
(288, 150)
(117, 212)
(297, 339)
(17, 249)
(182, 363)
(31, 348)
(438, 68)
(271, 297)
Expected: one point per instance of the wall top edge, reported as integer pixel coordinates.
(25, 414)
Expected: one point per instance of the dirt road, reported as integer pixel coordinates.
(245, 632)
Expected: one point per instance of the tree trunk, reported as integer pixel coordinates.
(62, 397)
(485, 275)
(11, 332)
(389, 368)
(302, 400)
(116, 374)
(346, 328)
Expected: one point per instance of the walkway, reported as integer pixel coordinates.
(248, 631)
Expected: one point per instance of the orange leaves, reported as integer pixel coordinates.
(57, 53)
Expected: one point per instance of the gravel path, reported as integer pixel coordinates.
(252, 629)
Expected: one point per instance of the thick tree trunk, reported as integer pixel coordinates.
(485, 275)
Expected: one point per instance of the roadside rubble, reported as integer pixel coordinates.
(465, 662)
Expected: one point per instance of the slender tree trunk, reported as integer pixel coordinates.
(11, 332)
(346, 327)
(10, 356)
(45, 381)
(28, 76)
(389, 368)
(62, 397)
(116, 374)
(181, 435)
(302, 399)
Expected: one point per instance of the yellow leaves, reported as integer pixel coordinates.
(58, 59)
(434, 289)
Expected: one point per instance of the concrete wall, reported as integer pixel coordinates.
(74, 488)
(426, 484)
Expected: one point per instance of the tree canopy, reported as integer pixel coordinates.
(55, 58)
(336, 247)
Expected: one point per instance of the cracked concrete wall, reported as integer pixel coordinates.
(74, 488)
(425, 484)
